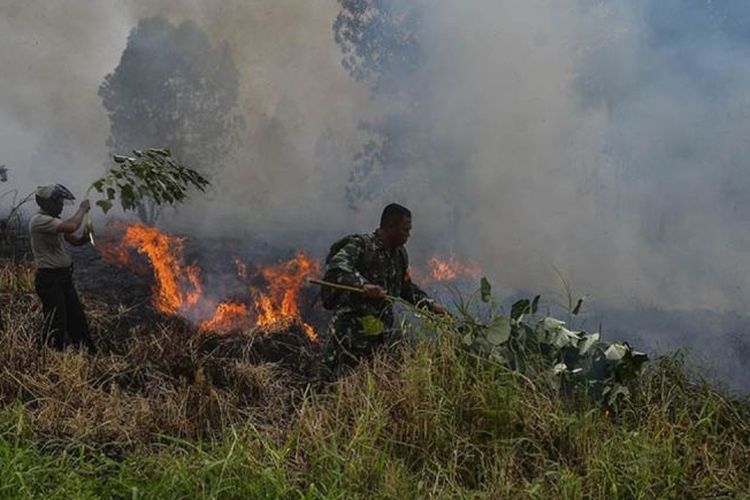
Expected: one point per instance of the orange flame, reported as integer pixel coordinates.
(278, 308)
(451, 269)
(177, 286)
(228, 315)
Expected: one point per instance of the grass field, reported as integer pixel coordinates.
(164, 413)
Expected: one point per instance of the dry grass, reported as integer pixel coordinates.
(150, 381)
(16, 278)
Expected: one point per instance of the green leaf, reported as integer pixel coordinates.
(616, 352)
(153, 174)
(630, 365)
(586, 342)
(105, 205)
(560, 368)
(498, 358)
(485, 290)
(564, 337)
(128, 197)
(614, 392)
(519, 308)
(577, 308)
(372, 326)
(550, 323)
(498, 331)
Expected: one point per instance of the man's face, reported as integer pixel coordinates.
(398, 234)
(56, 206)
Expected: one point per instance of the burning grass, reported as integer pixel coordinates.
(168, 412)
(273, 291)
(160, 379)
(449, 269)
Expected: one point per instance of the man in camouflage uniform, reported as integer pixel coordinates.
(378, 264)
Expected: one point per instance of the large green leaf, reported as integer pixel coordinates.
(616, 352)
(587, 340)
(498, 331)
(563, 338)
(549, 323)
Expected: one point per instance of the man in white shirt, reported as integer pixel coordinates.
(65, 320)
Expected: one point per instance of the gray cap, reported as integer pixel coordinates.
(54, 191)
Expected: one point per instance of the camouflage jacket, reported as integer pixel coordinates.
(361, 259)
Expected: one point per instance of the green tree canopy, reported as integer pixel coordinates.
(173, 88)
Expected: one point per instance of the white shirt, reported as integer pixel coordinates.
(47, 244)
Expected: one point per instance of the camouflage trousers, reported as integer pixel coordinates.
(348, 344)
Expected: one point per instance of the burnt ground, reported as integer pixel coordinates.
(130, 291)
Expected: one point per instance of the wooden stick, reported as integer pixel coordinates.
(349, 288)
(337, 286)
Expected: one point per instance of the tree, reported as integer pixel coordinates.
(380, 41)
(385, 44)
(173, 89)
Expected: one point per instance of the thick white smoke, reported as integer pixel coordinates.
(583, 143)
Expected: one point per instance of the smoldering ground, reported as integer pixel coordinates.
(603, 139)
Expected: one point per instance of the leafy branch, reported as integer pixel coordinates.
(149, 174)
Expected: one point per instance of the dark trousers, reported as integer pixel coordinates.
(65, 321)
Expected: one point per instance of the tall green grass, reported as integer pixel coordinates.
(429, 421)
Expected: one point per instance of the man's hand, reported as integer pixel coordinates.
(71, 225)
(373, 291)
(438, 309)
(77, 241)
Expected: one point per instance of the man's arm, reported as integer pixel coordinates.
(413, 294)
(342, 268)
(72, 224)
(77, 241)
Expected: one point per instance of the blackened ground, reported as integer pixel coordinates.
(109, 282)
(121, 287)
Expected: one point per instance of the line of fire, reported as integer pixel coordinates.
(265, 298)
